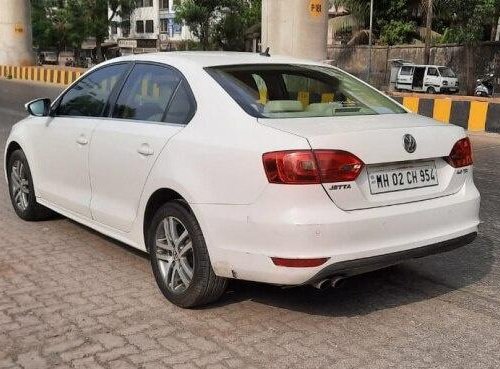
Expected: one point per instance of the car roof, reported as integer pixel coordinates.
(204, 59)
(424, 65)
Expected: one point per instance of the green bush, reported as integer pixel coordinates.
(398, 32)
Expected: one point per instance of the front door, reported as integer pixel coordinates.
(62, 141)
(125, 147)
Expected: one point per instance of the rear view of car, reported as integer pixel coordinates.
(376, 186)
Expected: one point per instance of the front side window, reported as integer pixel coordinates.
(90, 95)
(295, 91)
(147, 93)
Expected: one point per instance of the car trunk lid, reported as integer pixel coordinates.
(378, 141)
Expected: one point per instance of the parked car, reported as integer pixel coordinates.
(48, 57)
(229, 165)
(432, 79)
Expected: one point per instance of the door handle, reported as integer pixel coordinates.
(145, 150)
(82, 140)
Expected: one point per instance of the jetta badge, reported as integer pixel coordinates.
(410, 143)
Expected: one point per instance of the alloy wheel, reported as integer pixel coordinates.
(174, 254)
(19, 185)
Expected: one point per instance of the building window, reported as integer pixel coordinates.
(114, 29)
(126, 29)
(144, 3)
(139, 26)
(164, 4)
(177, 28)
(149, 26)
(163, 25)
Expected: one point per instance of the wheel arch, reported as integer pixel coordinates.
(11, 147)
(155, 201)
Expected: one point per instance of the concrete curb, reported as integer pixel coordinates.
(55, 75)
(473, 115)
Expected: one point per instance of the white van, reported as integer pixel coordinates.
(427, 78)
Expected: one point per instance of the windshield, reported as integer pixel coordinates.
(296, 91)
(446, 72)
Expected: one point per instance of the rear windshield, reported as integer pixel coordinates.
(298, 91)
(447, 72)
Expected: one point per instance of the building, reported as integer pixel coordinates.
(152, 28)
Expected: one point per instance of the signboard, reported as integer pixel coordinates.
(316, 8)
(18, 28)
(127, 44)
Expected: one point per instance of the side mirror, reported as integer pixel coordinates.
(38, 107)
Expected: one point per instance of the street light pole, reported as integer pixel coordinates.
(370, 43)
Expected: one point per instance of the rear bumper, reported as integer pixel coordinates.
(353, 267)
(300, 222)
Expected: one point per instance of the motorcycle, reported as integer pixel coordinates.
(485, 86)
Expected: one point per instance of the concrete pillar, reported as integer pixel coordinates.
(296, 28)
(15, 33)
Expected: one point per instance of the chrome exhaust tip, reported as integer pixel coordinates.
(323, 284)
(337, 282)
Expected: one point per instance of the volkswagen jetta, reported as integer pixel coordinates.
(229, 165)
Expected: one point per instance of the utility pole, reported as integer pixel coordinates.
(15, 27)
(428, 33)
(370, 43)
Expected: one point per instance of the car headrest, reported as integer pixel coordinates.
(283, 106)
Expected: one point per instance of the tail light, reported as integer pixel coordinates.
(311, 166)
(461, 154)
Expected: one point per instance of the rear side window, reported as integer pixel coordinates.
(296, 91)
(406, 71)
(147, 93)
(90, 95)
(181, 107)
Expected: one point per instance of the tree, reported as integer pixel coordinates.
(219, 22)
(98, 21)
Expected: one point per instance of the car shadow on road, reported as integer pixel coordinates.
(403, 284)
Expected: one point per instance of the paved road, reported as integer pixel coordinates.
(70, 297)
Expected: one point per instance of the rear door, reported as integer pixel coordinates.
(154, 104)
(405, 77)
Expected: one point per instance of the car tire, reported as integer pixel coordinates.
(179, 258)
(431, 90)
(21, 189)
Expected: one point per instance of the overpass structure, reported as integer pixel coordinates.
(295, 27)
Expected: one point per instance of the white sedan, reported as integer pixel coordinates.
(231, 165)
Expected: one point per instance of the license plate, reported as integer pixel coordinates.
(400, 178)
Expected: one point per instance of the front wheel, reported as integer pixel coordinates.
(21, 189)
(431, 90)
(179, 258)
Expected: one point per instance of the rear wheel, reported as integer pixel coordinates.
(431, 90)
(179, 258)
(21, 189)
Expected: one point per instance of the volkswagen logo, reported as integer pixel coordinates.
(410, 143)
